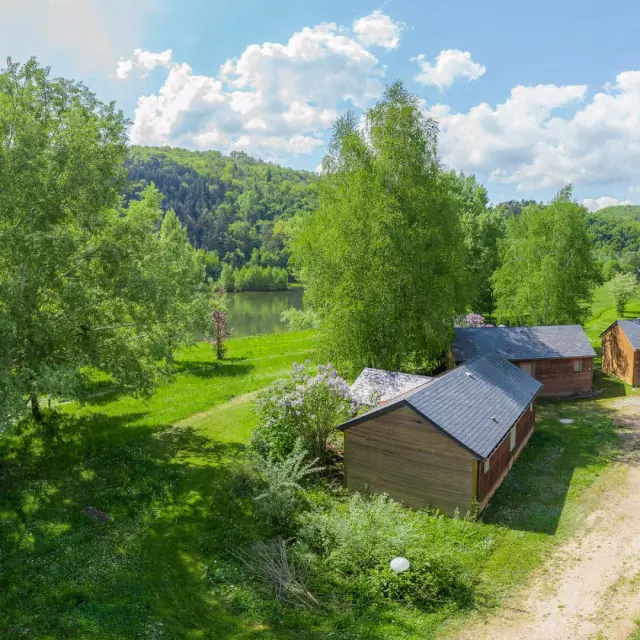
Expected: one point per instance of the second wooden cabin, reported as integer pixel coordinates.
(560, 357)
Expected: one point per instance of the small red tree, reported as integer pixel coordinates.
(220, 330)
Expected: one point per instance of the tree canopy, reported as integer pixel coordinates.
(382, 260)
(548, 272)
(84, 282)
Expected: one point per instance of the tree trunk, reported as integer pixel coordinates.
(35, 407)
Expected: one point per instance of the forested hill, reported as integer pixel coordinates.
(231, 205)
(616, 230)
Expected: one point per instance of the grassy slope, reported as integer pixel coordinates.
(142, 575)
(162, 568)
(603, 313)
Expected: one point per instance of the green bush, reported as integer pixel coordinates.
(428, 584)
(358, 535)
(302, 407)
(300, 319)
(279, 497)
(356, 541)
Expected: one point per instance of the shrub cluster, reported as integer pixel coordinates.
(303, 407)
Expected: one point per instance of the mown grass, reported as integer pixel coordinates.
(603, 313)
(164, 568)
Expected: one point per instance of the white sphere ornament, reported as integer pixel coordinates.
(399, 564)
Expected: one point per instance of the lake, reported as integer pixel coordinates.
(255, 312)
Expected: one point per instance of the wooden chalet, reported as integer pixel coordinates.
(560, 357)
(621, 350)
(448, 443)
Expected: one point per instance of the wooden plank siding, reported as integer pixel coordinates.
(559, 378)
(619, 358)
(402, 454)
(501, 460)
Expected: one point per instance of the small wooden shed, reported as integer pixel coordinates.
(621, 350)
(447, 444)
(558, 356)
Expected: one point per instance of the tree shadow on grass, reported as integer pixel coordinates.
(559, 458)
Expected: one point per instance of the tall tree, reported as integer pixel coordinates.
(83, 282)
(548, 272)
(382, 258)
(482, 228)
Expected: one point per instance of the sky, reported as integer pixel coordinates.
(528, 96)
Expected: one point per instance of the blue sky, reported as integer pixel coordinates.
(529, 96)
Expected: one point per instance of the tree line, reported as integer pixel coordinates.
(399, 247)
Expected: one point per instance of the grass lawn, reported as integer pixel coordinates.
(603, 313)
(162, 568)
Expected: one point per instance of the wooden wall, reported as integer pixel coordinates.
(559, 378)
(502, 459)
(618, 356)
(402, 454)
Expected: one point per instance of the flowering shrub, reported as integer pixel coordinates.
(472, 320)
(304, 407)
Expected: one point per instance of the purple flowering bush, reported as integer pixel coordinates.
(472, 320)
(303, 407)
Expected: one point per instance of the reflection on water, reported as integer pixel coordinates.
(255, 312)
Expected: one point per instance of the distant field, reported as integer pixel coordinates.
(603, 313)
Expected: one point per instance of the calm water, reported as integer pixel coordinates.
(255, 312)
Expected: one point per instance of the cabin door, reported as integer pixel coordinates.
(527, 367)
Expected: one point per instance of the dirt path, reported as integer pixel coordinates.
(590, 588)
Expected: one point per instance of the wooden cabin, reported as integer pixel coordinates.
(447, 444)
(560, 357)
(621, 350)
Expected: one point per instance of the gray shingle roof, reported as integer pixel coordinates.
(476, 403)
(523, 343)
(386, 385)
(631, 329)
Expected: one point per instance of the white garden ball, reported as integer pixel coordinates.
(399, 565)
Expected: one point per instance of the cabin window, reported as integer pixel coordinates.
(486, 465)
(512, 439)
(577, 366)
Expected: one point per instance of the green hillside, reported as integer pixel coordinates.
(231, 205)
(623, 211)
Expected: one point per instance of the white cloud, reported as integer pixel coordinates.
(594, 204)
(526, 142)
(378, 29)
(450, 65)
(144, 61)
(274, 99)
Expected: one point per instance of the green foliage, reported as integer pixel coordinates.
(84, 283)
(279, 498)
(547, 273)
(302, 408)
(482, 228)
(231, 205)
(252, 277)
(300, 319)
(359, 534)
(427, 584)
(382, 260)
(358, 538)
(622, 286)
(609, 269)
